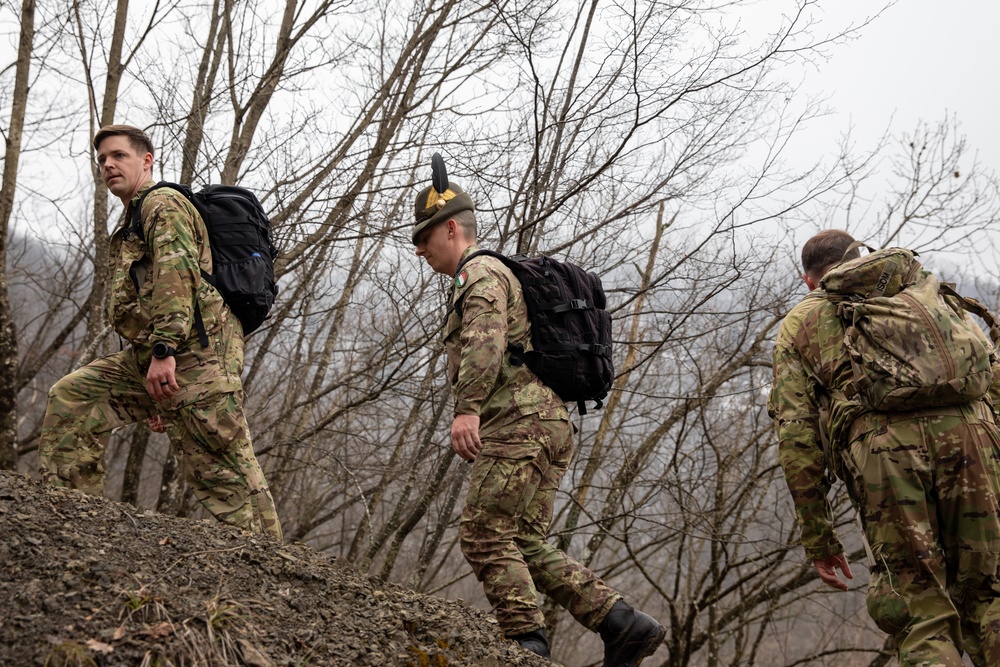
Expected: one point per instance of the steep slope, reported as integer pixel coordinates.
(89, 581)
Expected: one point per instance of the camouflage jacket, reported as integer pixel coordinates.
(810, 359)
(155, 282)
(483, 380)
(811, 369)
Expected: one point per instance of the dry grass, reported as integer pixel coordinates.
(70, 654)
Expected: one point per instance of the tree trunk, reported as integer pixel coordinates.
(133, 467)
(98, 305)
(8, 337)
(444, 520)
(172, 489)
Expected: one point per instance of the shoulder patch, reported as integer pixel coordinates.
(461, 279)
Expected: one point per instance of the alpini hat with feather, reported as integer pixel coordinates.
(440, 200)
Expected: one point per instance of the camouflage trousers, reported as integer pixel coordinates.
(205, 423)
(504, 525)
(929, 488)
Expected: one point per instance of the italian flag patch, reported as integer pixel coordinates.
(461, 279)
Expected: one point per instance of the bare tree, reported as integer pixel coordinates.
(8, 186)
(644, 141)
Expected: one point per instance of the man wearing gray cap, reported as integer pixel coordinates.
(517, 433)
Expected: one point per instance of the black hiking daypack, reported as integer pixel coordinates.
(570, 328)
(239, 235)
(910, 342)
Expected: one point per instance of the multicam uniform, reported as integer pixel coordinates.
(527, 443)
(927, 484)
(154, 289)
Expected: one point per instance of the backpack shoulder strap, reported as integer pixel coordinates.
(516, 350)
(199, 323)
(489, 253)
(137, 212)
(479, 253)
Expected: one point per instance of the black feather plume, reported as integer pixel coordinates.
(439, 176)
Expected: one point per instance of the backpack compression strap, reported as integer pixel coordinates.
(976, 308)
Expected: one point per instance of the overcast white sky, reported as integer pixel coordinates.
(917, 61)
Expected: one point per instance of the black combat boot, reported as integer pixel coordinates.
(629, 636)
(534, 641)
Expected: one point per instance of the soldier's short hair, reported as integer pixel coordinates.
(826, 249)
(138, 139)
(467, 221)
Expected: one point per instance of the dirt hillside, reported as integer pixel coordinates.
(89, 581)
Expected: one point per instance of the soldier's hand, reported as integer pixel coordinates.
(160, 381)
(465, 436)
(827, 570)
(156, 424)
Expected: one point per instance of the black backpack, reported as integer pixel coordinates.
(239, 235)
(570, 328)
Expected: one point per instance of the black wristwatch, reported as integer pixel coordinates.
(162, 351)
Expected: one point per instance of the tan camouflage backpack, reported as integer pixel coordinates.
(910, 341)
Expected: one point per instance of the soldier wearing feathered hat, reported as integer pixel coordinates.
(517, 433)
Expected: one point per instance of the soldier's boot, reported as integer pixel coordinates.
(629, 636)
(534, 641)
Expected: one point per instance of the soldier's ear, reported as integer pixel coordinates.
(810, 283)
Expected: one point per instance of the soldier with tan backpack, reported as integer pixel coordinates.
(882, 361)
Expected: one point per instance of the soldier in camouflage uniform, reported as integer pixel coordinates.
(926, 484)
(517, 432)
(191, 391)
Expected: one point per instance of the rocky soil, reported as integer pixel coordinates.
(88, 581)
